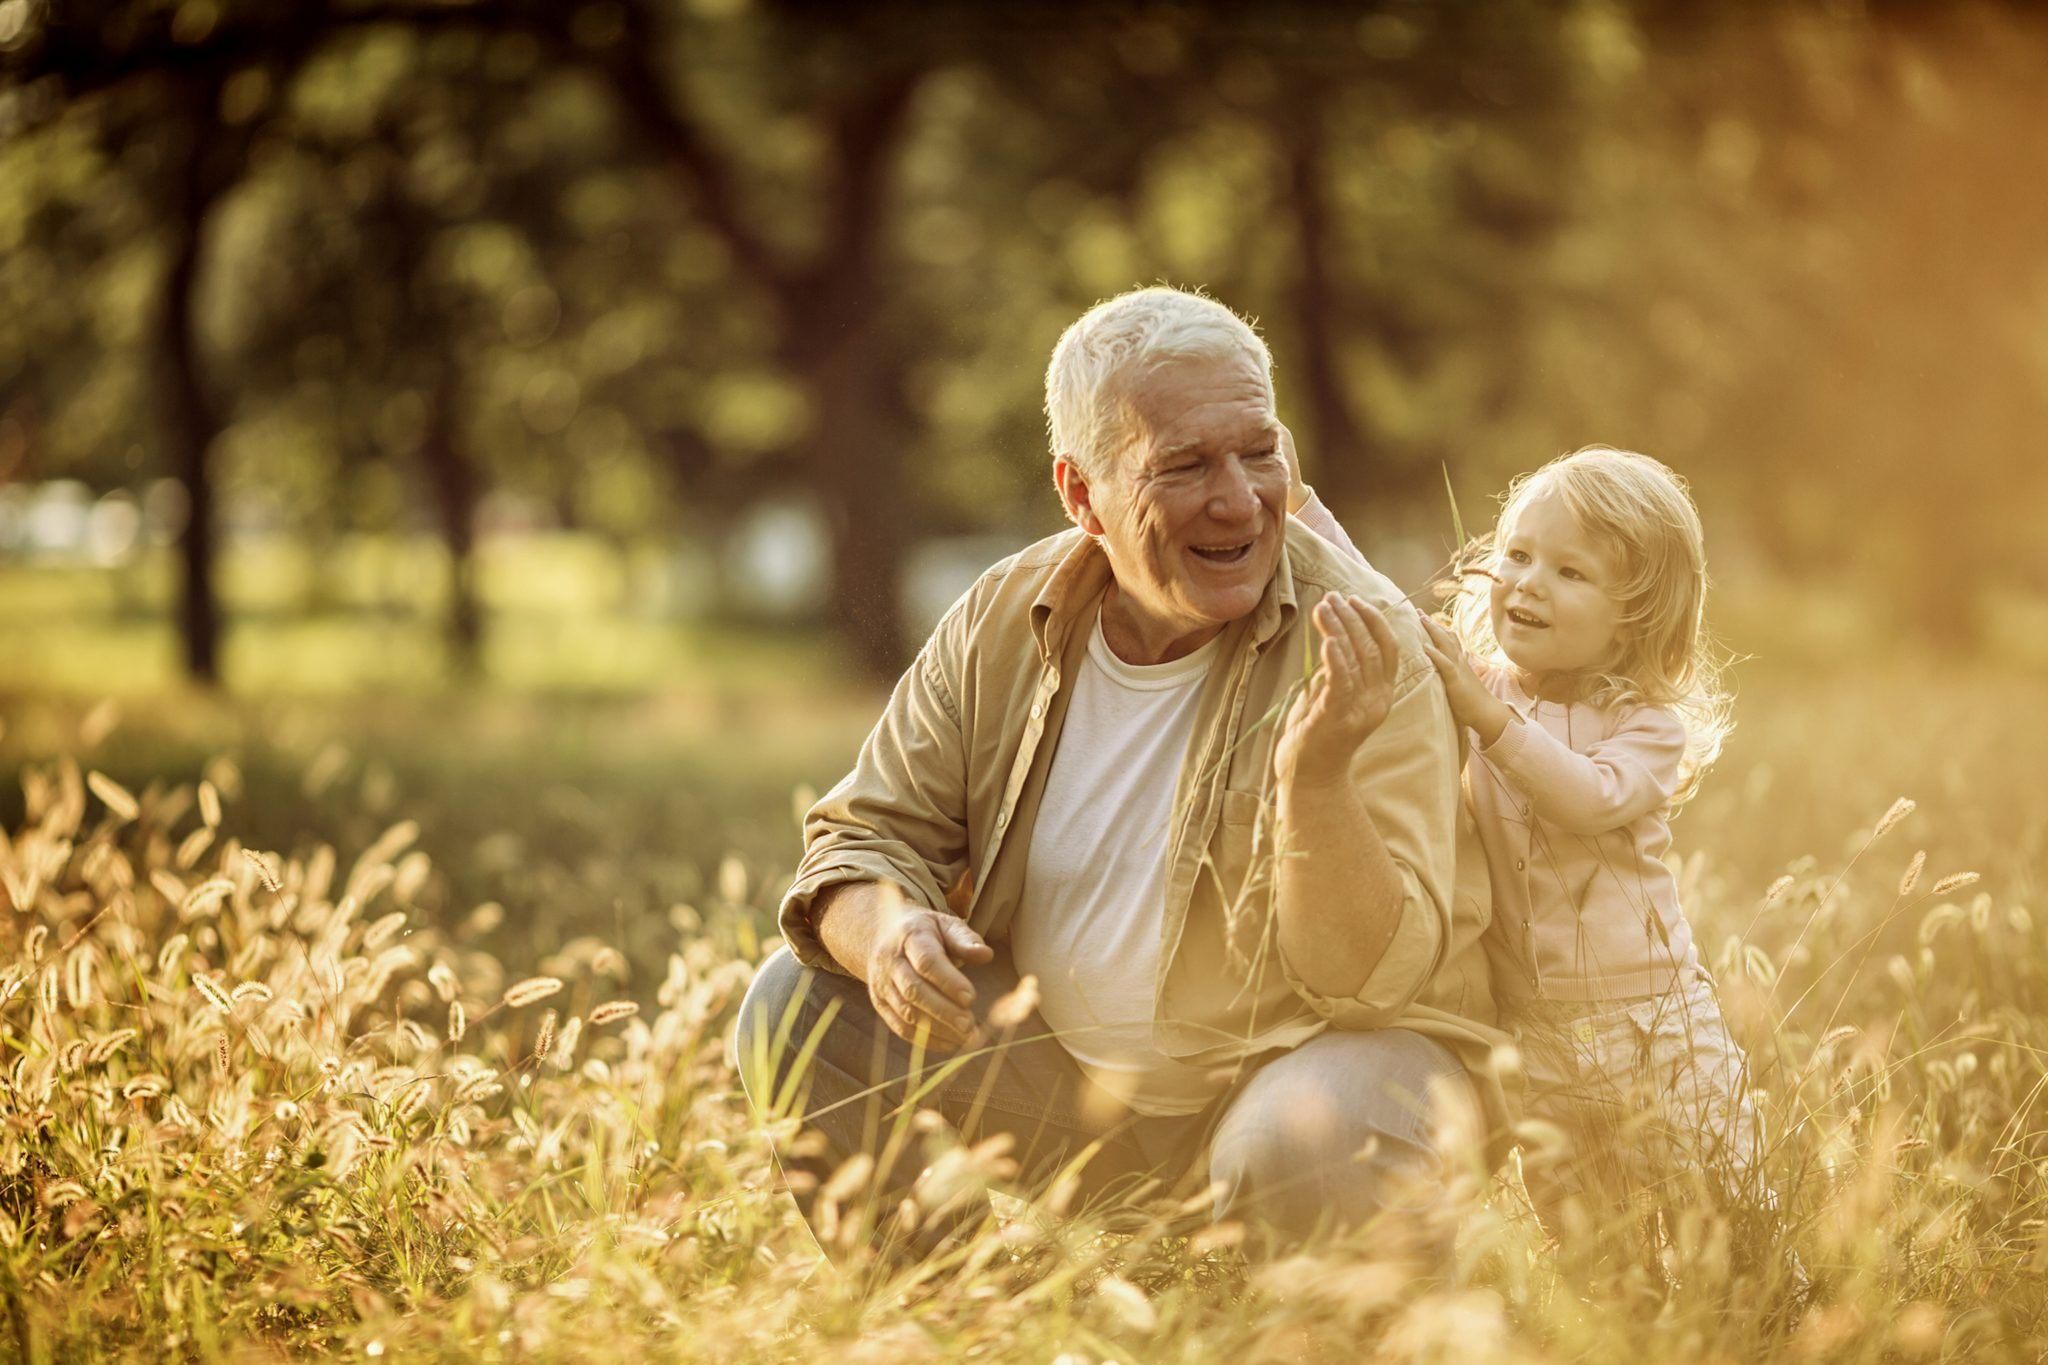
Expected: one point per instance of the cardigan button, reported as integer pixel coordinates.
(1521, 864)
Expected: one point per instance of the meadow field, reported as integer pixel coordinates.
(395, 1025)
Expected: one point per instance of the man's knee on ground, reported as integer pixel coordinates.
(776, 1017)
(1310, 1157)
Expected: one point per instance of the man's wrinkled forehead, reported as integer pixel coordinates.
(1186, 401)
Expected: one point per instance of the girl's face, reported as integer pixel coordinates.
(1550, 603)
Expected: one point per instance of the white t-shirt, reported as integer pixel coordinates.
(1094, 906)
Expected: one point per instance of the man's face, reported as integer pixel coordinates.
(1192, 511)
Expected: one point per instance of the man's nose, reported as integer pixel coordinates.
(1232, 496)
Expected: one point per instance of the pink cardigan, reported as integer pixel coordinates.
(1572, 803)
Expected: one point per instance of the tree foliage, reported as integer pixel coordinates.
(646, 262)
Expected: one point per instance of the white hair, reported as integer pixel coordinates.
(1085, 412)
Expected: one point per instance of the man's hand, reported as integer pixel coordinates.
(1348, 698)
(1471, 704)
(915, 983)
(909, 957)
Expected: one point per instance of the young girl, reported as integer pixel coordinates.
(1577, 659)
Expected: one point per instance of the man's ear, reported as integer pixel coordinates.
(1075, 495)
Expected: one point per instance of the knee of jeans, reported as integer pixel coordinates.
(763, 1047)
(1282, 1146)
(1316, 1153)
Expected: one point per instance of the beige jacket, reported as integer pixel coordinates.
(947, 786)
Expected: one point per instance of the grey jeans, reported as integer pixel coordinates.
(1322, 1137)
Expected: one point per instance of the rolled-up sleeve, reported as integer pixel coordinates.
(901, 815)
(1407, 775)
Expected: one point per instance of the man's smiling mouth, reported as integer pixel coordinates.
(1223, 554)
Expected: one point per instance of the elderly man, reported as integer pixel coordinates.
(1254, 942)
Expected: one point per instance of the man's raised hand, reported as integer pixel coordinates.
(1348, 698)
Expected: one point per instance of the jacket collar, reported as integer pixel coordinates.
(1083, 573)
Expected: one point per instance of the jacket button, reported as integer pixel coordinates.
(1038, 710)
(1002, 819)
(1521, 864)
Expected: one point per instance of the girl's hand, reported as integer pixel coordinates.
(1348, 699)
(1297, 491)
(1471, 704)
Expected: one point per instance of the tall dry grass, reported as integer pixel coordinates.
(250, 1107)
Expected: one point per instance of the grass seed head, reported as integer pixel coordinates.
(383, 931)
(171, 954)
(215, 996)
(118, 799)
(1954, 881)
(209, 804)
(194, 848)
(442, 978)
(531, 990)
(1912, 873)
(205, 898)
(79, 978)
(1015, 1006)
(261, 863)
(1900, 809)
(612, 1011)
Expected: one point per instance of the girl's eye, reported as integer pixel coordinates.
(1571, 573)
(1518, 556)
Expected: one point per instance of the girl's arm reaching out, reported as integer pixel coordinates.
(1607, 785)
(1610, 783)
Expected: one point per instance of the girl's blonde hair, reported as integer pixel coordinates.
(1645, 513)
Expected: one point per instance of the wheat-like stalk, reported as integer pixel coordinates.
(1899, 810)
(1911, 877)
(118, 798)
(532, 989)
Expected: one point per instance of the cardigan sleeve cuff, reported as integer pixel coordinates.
(1509, 745)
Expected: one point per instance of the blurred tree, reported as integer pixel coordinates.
(644, 262)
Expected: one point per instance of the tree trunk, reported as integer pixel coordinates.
(1338, 445)
(455, 490)
(838, 342)
(832, 335)
(855, 454)
(191, 423)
